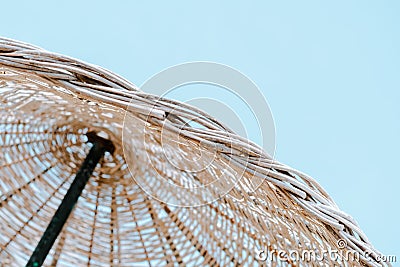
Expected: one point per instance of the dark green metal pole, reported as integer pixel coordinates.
(100, 146)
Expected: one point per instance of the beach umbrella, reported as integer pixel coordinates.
(95, 172)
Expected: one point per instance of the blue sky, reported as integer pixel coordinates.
(329, 70)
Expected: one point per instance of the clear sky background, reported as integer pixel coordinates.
(330, 71)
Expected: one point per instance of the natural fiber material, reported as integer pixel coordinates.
(49, 102)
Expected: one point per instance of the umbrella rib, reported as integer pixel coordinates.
(134, 218)
(150, 210)
(33, 215)
(9, 195)
(112, 227)
(167, 236)
(232, 257)
(193, 240)
(197, 242)
(93, 227)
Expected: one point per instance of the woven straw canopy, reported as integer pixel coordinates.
(49, 104)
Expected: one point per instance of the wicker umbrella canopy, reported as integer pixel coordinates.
(51, 105)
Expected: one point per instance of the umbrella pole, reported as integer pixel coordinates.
(100, 146)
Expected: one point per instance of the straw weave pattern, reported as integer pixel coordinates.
(50, 101)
